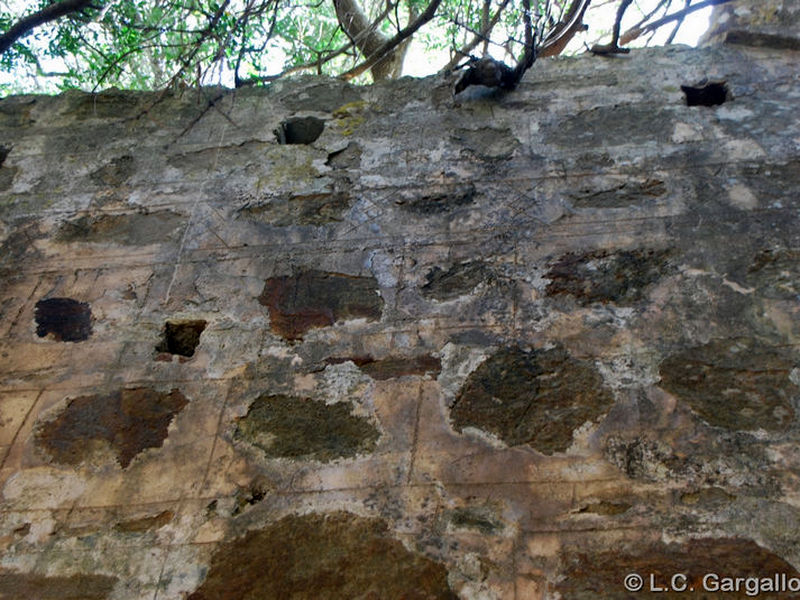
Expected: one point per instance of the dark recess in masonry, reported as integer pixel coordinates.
(706, 93)
(67, 320)
(181, 337)
(4, 150)
(300, 130)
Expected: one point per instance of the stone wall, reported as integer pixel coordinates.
(767, 23)
(320, 341)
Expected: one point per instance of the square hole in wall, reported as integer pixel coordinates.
(181, 337)
(706, 93)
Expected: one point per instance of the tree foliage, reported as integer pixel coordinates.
(151, 44)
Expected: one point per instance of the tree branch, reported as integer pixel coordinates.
(481, 36)
(570, 24)
(529, 53)
(314, 64)
(50, 13)
(674, 32)
(613, 47)
(366, 37)
(397, 39)
(634, 33)
(357, 26)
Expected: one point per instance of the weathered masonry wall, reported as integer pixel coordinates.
(379, 342)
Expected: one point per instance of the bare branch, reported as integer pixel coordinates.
(665, 4)
(50, 13)
(635, 32)
(481, 36)
(314, 64)
(322, 59)
(674, 32)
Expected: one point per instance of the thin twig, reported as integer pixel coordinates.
(674, 32)
(634, 33)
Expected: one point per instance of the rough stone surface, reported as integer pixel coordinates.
(312, 299)
(677, 570)
(499, 346)
(760, 23)
(129, 420)
(58, 587)
(537, 398)
(735, 383)
(126, 229)
(336, 555)
(303, 428)
(599, 276)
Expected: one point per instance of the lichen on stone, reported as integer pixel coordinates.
(129, 421)
(301, 428)
(310, 299)
(536, 397)
(335, 555)
(738, 384)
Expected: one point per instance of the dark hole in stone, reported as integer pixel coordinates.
(438, 199)
(338, 555)
(67, 320)
(300, 130)
(246, 497)
(181, 337)
(128, 420)
(706, 93)
(4, 150)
